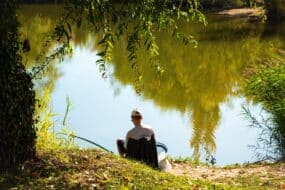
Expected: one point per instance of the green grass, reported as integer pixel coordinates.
(187, 160)
(93, 169)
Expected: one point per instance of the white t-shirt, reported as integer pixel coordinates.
(139, 132)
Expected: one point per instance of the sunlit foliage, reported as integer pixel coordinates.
(135, 21)
(268, 88)
(49, 130)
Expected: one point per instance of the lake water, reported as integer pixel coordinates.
(196, 103)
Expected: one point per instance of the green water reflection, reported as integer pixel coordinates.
(195, 81)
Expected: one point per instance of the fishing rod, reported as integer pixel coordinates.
(87, 140)
(158, 144)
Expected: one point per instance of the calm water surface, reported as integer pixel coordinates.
(101, 112)
(194, 106)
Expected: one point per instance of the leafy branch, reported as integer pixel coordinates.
(133, 21)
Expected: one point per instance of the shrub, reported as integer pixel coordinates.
(268, 88)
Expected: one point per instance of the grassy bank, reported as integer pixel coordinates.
(94, 169)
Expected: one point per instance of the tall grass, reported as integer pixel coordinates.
(48, 130)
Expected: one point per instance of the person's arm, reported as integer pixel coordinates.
(121, 147)
(152, 134)
(126, 139)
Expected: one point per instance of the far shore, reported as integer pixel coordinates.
(243, 12)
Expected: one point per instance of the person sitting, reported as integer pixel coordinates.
(140, 142)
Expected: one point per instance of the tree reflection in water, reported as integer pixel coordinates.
(195, 81)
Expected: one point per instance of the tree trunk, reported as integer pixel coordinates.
(275, 10)
(17, 98)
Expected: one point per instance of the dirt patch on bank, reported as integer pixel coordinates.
(234, 175)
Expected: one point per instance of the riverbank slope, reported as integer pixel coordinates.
(95, 169)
